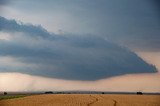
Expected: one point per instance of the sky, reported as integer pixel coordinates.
(80, 45)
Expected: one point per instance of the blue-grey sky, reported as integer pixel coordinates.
(134, 24)
(78, 39)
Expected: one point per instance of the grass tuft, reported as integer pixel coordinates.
(11, 96)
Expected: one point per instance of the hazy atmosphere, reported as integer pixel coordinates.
(97, 45)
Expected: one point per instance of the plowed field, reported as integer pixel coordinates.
(84, 100)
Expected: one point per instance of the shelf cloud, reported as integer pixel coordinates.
(64, 56)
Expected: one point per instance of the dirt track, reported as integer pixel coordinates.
(84, 100)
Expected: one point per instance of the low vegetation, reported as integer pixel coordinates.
(2, 97)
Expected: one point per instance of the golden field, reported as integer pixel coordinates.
(83, 100)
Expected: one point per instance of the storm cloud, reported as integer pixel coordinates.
(3, 2)
(66, 56)
(13, 26)
(135, 24)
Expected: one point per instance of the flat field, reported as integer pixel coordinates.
(83, 100)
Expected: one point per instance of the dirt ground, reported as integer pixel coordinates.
(84, 100)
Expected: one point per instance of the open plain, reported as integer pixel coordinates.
(84, 100)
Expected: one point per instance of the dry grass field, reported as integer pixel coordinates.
(84, 100)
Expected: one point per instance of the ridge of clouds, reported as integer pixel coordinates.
(67, 56)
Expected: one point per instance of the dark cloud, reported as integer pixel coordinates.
(135, 23)
(156, 3)
(148, 41)
(69, 57)
(3, 2)
(13, 26)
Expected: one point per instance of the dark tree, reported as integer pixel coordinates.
(49, 92)
(139, 93)
(5, 93)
